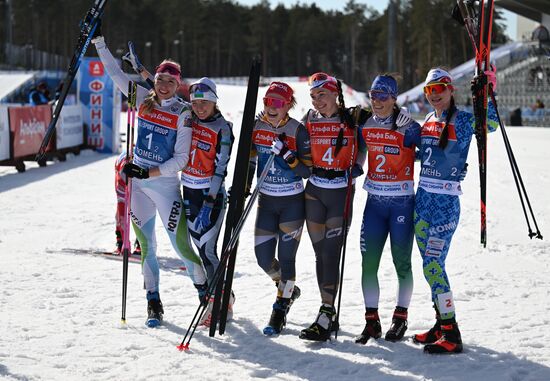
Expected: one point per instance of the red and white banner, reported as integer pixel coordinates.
(28, 124)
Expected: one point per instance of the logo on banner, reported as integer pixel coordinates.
(96, 69)
(97, 97)
(96, 86)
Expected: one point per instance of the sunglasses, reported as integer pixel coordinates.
(169, 69)
(379, 96)
(275, 103)
(436, 88)
(319, 79)
(201, 88)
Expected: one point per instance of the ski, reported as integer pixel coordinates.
(126, 244)
(103, 253)
(236, 204)
(166, 262)
(481, 105)
(238, 190)
(479, 26)
(87, 28)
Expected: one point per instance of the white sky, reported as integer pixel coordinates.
(380, 5)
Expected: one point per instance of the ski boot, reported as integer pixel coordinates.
(432, 335)
(155, 311)
(398, 325)
(450, 340)
(321, 328)
(206, 317)
(372, 327)
(296, 292)
(277, 321)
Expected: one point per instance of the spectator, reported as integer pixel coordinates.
(538, 104)
(39, 95)
(541, 34)
(515, 117)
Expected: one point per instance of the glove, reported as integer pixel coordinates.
(403, 118)
(462, 174)
(99, 42)
(356, 171)
(279, 148)
(132, 170)
(131, 59)
(492, 77)
(203, 218)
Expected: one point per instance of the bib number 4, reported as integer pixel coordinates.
(327, 157)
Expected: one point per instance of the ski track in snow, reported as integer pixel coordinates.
(61, 311)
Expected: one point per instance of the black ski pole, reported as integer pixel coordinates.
(225, 255)
(522, 192)
(345, 226)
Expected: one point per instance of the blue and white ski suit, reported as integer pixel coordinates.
(437, 205)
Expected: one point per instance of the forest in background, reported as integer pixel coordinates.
(219, 37)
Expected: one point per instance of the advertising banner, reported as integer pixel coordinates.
(96, 93)
(28, 124)
(70, 129)
(4, 134)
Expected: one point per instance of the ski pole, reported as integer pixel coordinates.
(345, 225)
(522, 192)
(184, 345)
(132, 89)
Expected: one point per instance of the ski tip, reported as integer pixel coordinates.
(183, 347)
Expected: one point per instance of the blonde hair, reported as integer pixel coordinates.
(151, 100)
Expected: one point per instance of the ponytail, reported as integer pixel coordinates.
(150, 102)
(345, 116)
(444, 137)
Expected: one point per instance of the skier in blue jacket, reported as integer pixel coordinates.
(444, 141)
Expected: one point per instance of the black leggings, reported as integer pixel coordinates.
(279, 219)
(324, 218)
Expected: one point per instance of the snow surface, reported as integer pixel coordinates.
(61, 312)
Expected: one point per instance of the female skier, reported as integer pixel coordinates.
(390, 205)
(203, 179)
(281, 212)
(334, 151)
(162, 149)
(444, 141)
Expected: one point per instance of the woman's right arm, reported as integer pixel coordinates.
(120, 78)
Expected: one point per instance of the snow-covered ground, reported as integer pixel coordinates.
(61, 312)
